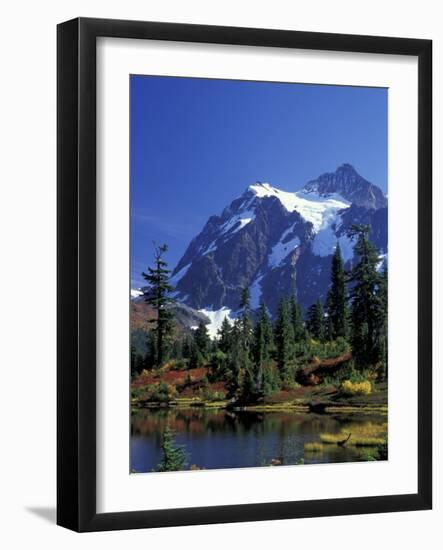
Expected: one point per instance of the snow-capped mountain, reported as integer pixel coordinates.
(277, 242)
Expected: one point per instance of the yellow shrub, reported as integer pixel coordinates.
(356, 388)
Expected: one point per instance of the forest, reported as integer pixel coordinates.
(256, 356)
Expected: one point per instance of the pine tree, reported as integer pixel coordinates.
(173, 455)
(337, 308)
(297, 320)
(262, 345)
(284, 338)
(151, 349)
(195, 357)
(159, 297)
(235, 356)
(187, 347)
(365, 300)
(248, 374)
(262, 336)
(202, 340)
(133, 362)
(383, 321)
(316, 321)
(246, 320)
(224, 333)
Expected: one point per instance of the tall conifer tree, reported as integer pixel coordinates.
(159, 297)
(297, 320)
(248, 373)
(316, 321)
(284, 338)
(225, 336)
(262, 344)
(202, 340)
(337, 308)
(365, 300)
(383, 321)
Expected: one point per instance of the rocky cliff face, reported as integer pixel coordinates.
(350, 185)
(278, 243)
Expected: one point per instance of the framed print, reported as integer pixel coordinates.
(244, 274)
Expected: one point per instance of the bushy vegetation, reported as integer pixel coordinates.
(158, 392)
(356, 388)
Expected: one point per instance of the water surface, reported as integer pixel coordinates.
(224, 439)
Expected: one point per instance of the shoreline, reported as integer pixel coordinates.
(305, 408)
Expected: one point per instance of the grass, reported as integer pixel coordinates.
(363, 409)
(313, 447)
(280, 407)
(215, 404)
(331, 439)
(364, 435)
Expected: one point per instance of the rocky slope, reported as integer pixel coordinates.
(277, 242)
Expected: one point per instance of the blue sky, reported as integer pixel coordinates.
(196, 144)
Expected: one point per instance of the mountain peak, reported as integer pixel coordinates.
(261, 188)
(346, 167)
(348, 183)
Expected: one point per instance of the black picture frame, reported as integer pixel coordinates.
(76, 264)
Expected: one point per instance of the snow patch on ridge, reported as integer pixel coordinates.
(216, 319)
(325, 241)
(312, 207)
(240, 220)
(281, 250)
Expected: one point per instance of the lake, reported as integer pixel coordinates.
(225, 439)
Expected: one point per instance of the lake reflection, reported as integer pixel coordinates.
(224, 439)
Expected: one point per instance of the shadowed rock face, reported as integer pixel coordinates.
(279, 243)
(345, 181)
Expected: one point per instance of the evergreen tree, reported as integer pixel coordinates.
(177, 349)
(151, 350)
(195, 357)
(224, 333)
(246, 320)
(187, 347)
(262, 345)
(316, 321)
(284, 339)
(366, 301)
(133, 362)
(383, 321)
(337, 308)
(173, 455)
(159, 297)
(137, 361)
(262, 336)
(248, 374)
(235, 357)
(329, 329)
(297, 320)
(202, 340)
